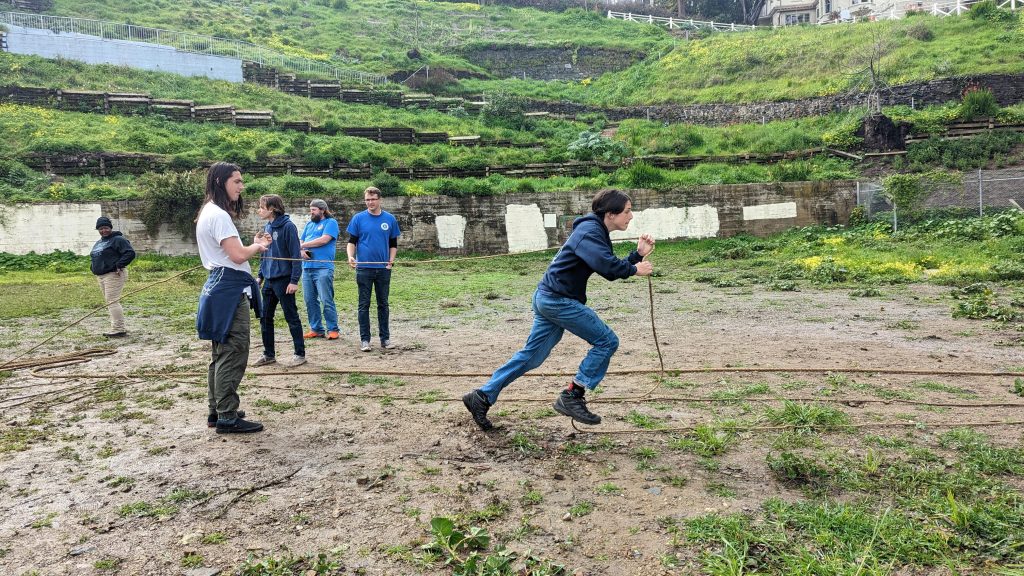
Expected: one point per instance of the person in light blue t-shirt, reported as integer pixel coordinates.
(373, 235)
(318, 243)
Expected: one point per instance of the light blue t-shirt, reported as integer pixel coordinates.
(314, 230)
(375, 234)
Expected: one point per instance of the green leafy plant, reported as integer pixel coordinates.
(172, 198)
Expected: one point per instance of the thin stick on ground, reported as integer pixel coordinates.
(252, 489)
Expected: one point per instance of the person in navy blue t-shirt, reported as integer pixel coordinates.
(373, 235)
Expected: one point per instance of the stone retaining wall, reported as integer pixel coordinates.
(1007, 88)
(478, 225)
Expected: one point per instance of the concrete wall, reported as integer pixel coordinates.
(481, 225)
(96, 50)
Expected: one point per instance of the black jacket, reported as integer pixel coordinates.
(111, 253)
(587, 250)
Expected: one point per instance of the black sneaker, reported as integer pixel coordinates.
(477, 405)
(121, 334)
(239, 427)
(211, 418)
(575, 407)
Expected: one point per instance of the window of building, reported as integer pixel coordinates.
(803, 18)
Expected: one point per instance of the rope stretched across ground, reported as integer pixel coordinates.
(40, 365)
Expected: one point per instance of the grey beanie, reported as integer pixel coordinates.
(103, 221)
(318, 203)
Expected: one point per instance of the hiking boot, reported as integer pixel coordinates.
(478, 406)
(333, 335)
(239, 426)
(120, 334)
(264, 360)
(297, 361)
(312, 334)
(211, 418)
(575, 407)
(365, 346)
(386, 344)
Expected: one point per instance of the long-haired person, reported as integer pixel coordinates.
(230, 291)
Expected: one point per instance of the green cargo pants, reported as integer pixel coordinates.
(228, 364)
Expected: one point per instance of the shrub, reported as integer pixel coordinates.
(388, 184)
(978, 103)
(505, 109)
(641, 175)
(990, 11)
(172, 198)
(593, 146)
(920, 31)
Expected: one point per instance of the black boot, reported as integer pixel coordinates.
(478, 406)
(571, 403)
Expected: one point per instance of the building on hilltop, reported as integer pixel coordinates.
(791, 12)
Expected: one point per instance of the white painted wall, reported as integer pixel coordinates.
(524, 225)
(770, 211)
(96, 50)
(671, 223)
(451, 231)
(43, 228)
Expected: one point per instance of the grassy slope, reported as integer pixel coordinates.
(370, 34)
(778, 64)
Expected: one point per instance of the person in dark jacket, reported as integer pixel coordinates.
(559, 304)
(111, 255)
(280, 279)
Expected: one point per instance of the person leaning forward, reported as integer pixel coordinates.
(111, 255)
(559, 304)
(318, 242)
(228, 295)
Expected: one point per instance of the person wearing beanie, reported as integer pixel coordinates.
(110, 256)
(318, 242)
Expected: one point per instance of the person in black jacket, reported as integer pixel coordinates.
(110, 256)
(280, 279)
(559, 304)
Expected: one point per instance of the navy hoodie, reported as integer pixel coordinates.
(285, 245)
(587, 250)
(111, 253)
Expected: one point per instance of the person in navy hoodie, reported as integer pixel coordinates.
(280, 279)
(228, 295)
(559, 304)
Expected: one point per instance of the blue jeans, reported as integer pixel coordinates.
(317, 289)
(276, 290)
(379, 281)
(552, 316)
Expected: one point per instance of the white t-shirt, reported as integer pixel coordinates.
(213, 226)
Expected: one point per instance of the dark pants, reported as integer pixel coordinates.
(274, 292)
(227, 365)
(379, 281)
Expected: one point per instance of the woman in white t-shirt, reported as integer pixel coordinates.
(229, 293)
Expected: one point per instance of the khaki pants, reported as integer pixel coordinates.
(227, 365)
(111, 284)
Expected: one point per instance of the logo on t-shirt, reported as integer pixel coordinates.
(384, 226)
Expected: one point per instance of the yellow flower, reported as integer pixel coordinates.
(833, 241)
(810, 262)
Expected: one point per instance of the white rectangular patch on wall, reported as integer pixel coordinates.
(451, 231)
(550, 221)
(524, 225)
(675, 222)
(770, 211)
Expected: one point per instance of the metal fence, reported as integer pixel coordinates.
(977, 192)
(185, 42)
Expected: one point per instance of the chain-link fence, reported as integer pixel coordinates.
(977, 192)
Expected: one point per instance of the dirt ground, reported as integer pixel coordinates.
(342, 469)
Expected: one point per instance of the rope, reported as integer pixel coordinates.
(10, 362)
(827, 427)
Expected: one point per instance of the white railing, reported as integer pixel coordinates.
(186, 42)
(680, 23)
(895, 11)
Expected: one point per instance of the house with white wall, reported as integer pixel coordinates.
(792, 12)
